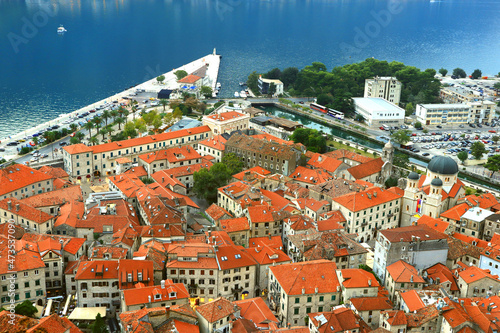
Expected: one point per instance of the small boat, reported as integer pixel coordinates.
(61, 30)
(243, 94)
(243, 83)
(236, 94)
(218, 85)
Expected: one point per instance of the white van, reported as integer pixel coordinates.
(386, 128)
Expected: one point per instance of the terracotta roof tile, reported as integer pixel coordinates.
(366, 169)
(153, 294)
(18, 176)
(218, 142)
(191, 79)
(324, 162)
(25, 211)
(25, 260)
(371, 303)
(266, 255)
(78, 148)
(235, 224)
(412, 300)
(217, 212)
(188, 170)
(54, 324)
(256, 310)
(402, 272)
(358, 278)
(272, 241)
(53, 198)
(128, 184)
(16, 323)
(307, 275)
(310, 176)
(406, 234)
(436, 224)
(344, 154)
(54, 172)
(172, 155)
(472, 274)
(225, 116)
(217, 309)
(365, 199)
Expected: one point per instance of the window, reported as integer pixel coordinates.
(321, 299)
(309, 299)
(297, 300)
(296, 311)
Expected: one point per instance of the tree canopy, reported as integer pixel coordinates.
(180, 74)
(26, 309)
(476, 74)
(206, 91)
(233, 163)
(477, 150)
(493, 163)
(463, 156)
(459, 72)
(207, 181)
(443, 71)
(311, 138)
(99, 325)
(401, 136)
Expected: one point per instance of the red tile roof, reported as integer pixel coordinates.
(216, 212)
(444, 274)
(344, 154)
(366, 169)
(324, 162)
(235, 225)
(395, 318)
(335, 222)
(24, 260)
(150, 139)
(365, 199)
(300, 222)
(403, 272)
(102, 252)
(272, 241)
(153, 294)
(56, 197)
(412, 300)
(172, 155)
(14, 323)
(128, 184)
(179, 327)
(54, 172)
(266, 255)
(226, 116)
(470, 240)
(256, 310)
(456, 212)
(358, 278)
(409, 234)
(77, 149)
(191, 79)
(138, 171)
(436, 224)
(485, 201)
(188, 170)
(25, 211)
(371, 303)
(218, 309)
(218, 142)
(472, 274)
(231, 256)
(18, 176)
(70, 214)
(310, 176)
(54, 324)
(308, 275)
(339, 320)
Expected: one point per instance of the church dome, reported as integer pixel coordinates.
(437, 182)
(413, 175)
(443, 165)
(388, 145)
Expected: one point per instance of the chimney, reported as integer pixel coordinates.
(370, 282)
(462, 302)
(149, 298)
(17, 207)
(9, 205)
(303, 291)
(162, 284)
(77, 216)
(316, 290)
(162, 179)
(411, 278)
(438, 280)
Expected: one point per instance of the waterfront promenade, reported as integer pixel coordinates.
(151, 86)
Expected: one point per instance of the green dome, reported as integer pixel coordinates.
(437, 182)
(413, 175)
(443, 165)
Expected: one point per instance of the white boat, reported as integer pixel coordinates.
(243, 94)
(61, 30)
(236, 94)
(218, 85)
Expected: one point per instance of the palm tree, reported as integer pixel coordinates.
(103, 132)
(164, 103)
(125, 113)
(89, 126)
(120, 111)
(80, 136)
(114, 114)
(97, 121)
(94, 140)
(134, 110)
(105, 115)
(73, 127)
(120, 121)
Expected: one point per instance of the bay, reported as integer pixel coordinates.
(111, 45)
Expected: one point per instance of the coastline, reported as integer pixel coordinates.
(151, 86)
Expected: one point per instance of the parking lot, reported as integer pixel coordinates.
(447, 142)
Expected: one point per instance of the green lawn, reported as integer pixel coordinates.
(338, 145)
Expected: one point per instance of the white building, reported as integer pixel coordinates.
(481, 111)
(388, 88)
(264, 85)
(377, 111)
(440, 114)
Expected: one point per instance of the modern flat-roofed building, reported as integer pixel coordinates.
(441, 114)
(264, 85)
(388, 88)
(377, 111)
(456, 95)
(481, 111)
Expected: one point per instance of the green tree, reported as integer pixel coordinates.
(105, 116)
(443, 71)
(114, 114)
(177, 114)
(74, 140)
(149, 117)
(164, 103)
(324, 99)
(495, 138)
(459, 72)
(273, 74)
(25, 309)
(477, 149)
(311, 138)
(252, 82)
(206, 91)
(89, 126)
(129, 130)
(463, 156)
(157, 122)
(476, 74)
(207, 181)
(233, 163)
(493, 164)
(73, 127)
(94, 140)
(359, 117)
(120, 121)
(401, 136)
(103, 132)
(496, 86)
(418, 124)
(289, 76)
(272, 89)
(160, 79)
(401, 160)
(180, 74)
(409, 109)
(99, 325)
(140, 125)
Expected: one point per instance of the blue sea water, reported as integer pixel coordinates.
(111, 45)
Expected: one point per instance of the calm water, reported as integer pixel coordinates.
(111, 45)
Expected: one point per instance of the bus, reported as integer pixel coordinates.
(335, 114)
(318, 107)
